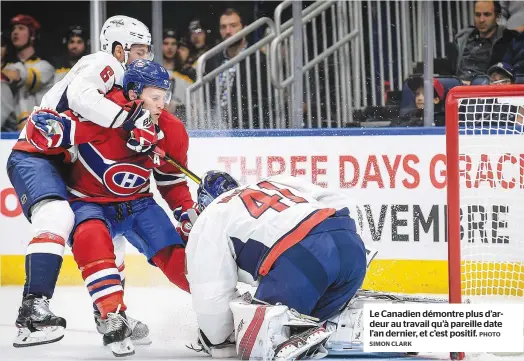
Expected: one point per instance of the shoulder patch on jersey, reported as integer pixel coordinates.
(124, 179)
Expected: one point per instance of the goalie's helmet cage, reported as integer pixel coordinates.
(213, 184)
(126, 31)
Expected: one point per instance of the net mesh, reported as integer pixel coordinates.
(491, 166)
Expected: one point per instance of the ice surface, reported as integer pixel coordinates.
(166, 310)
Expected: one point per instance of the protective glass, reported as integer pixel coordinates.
(164, 96)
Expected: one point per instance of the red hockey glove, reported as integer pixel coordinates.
(186, 220)
(45, 128)
(143, 135)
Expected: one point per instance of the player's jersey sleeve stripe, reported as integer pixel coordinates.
(76, 193)
(97, 163)
(72, 131)
(116, 118)
(88, 168)
(170, 182)
(293, 237)
(166, 179)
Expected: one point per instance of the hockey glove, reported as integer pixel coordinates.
(143, 135)
(45, 128)
(186, 220)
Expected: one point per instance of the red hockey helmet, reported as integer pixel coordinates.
(28, 21)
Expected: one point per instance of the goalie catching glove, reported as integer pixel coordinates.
(143, 133)
(45, 128)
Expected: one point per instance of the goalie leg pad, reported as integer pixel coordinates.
(347, 330)
(258, 329)
(347, 326)
(266, 332)
(306, 344)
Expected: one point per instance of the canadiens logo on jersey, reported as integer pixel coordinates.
(120, 178)
(124, 179)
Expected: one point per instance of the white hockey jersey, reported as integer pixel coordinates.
(83, 88)
(277, 212)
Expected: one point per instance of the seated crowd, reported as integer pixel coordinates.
(486, 53)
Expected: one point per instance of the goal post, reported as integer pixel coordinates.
(485, 193)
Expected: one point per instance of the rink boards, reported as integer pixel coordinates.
(395, 178)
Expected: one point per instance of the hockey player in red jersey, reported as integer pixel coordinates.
(109, 187)
(37, 179)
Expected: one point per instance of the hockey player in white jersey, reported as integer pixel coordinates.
(291, 239)
(37, 177)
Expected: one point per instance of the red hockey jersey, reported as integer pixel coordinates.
(106, 170)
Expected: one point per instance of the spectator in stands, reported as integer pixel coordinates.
(513, 13)
(198, 39)
(169, 50)
(250, 99)
(29, 76)
(186, 67)
(478, 47)
(77, 41)
(7, 108)
(514, 54)
(501, 73)
(414, 114)
(179, 81)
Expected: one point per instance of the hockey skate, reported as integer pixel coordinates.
(37, 325)
(139, 330)
(306, 344)
(118, 334)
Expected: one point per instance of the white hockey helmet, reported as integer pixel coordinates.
(126, 31)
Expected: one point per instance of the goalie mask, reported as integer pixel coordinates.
(213, 184)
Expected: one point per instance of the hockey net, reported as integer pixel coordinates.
(485, 168)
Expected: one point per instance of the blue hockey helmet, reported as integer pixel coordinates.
(213, 184)
(144, 73)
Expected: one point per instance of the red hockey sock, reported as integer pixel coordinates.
(94, 253)
(171, 261)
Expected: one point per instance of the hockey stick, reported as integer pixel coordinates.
(177, 165)
(400, 297)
